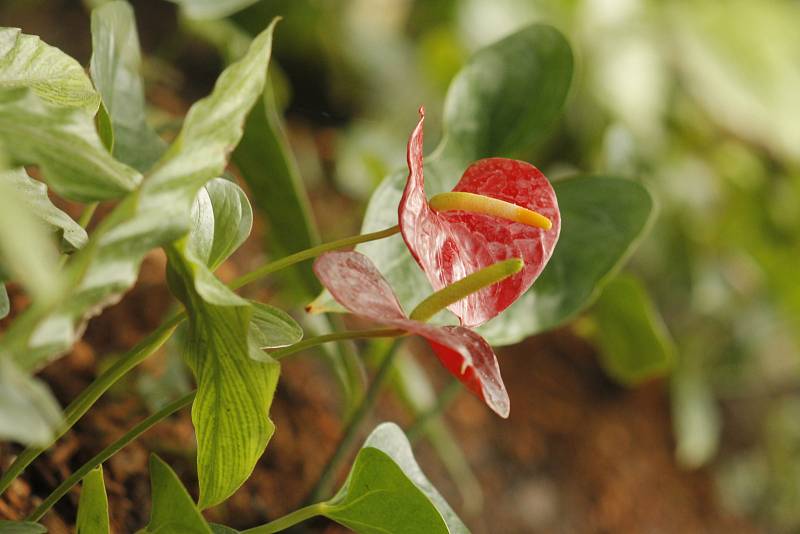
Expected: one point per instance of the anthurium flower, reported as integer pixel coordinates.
(500, 209)
(356, 284)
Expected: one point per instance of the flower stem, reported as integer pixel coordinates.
(289, 520)
(87, 214)
(466, 286)
(89, 396)
(309, 253)
(108, 452)
(335, 336)
(343, 449)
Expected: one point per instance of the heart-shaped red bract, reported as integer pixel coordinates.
(356, 284)
(450, 245)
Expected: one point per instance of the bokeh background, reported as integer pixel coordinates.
(698, 99)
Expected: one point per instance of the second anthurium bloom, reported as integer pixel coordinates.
(500, 209)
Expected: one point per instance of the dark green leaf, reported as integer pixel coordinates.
(158, 214)
(387, 492)
(93, 505)
(602, 220)
(633, 340)
(26, 61)
(28, 412)
(115, 69)
(174, 511)
(21, 527)
(34, 194)
(271, 328)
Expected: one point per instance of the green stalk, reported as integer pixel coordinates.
(335, 336)
(108, 452)
(89, 396)
(309, 253)
(443, 399)
(343, 449)
(466, 286)
(87, 214)
(289, 520)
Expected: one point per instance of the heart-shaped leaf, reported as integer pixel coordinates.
(93, 505)
(633, 340)
(173, 511)
(386, 491)
(115, 68)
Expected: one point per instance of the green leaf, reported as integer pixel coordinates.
(26, 61)
(65, 144)
(386, 491)
(34, 194)
(28, 412)
(174, 511)
(268, 166)
(508, 94)
(115, 67)
(93, 505)
(27, 252)
(222, 529)
(159, 213)
(21, 527)
(272, 328)
(633, 339)
(5, 305)
(602, 220)
(212, 9)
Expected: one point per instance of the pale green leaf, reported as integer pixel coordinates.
(34, 194)
(5, 305)
(173, 511)
(21, 527)
(212, 9)
(28, 412)
(64, 142)
(159, 213)
(26, 61)
(272, 328)
(634, 343)
(602, 220)
(387, 492)
(93, 505)
(115, 68)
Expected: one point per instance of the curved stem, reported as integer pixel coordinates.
(108, 452)
(343, 449)
(335, 336)
(307, 254)
(89, 396)
(288, 520)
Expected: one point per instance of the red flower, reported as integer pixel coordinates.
(449, 245)
(356, 284)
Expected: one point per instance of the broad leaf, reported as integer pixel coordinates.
(271, 328)
(26, 61)
(93, 505)
(387, 492)
(34, 194)
(602, 221)
(634, 342)
(174, 511)
(115, 68)
(158, 214)
(212, 9)
(28, 412)
(63, 141)
(21, 527)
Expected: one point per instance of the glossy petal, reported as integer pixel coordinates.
(357, 285)
(451, 245)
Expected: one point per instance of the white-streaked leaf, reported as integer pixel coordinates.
(28, 412)
(115, 68)
(34, 194)
(93, 505)
(26, 61)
